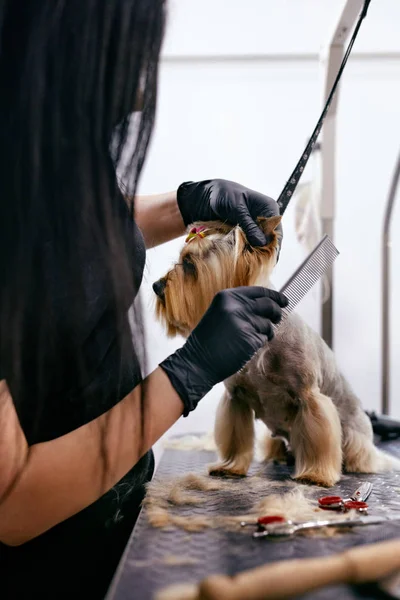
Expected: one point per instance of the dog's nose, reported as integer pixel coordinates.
(159, 288)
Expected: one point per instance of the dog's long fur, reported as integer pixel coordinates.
(293, 384)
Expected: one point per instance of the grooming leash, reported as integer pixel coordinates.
(294, 179)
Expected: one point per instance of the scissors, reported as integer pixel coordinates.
(357, 500)
(288, 529)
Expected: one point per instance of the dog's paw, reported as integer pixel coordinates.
(275, 450)
(226, 471)
(317, 478)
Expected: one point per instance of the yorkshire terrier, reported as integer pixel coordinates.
(292, 384)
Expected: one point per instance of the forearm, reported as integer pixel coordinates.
(159, 218)
(64, 476)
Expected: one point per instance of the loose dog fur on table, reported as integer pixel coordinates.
(166, 500)
(293, 384)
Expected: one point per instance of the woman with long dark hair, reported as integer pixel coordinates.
(77, 421)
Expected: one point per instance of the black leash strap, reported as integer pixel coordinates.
(294, 179)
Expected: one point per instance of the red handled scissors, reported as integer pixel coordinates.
(357, 501)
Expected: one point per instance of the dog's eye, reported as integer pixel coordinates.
(188, 266)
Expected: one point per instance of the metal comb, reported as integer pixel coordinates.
(308, 273)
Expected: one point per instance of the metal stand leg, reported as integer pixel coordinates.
(331, 57)
(386, 291)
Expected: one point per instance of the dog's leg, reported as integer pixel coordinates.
(234, 436)
(360, 454)
(316, 440)
(275, 449)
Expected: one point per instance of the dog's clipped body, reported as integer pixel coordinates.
(293, 384)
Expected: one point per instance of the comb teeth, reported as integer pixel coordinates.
(308, 273)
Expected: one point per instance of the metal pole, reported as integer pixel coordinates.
(331, 57)
(386, 246)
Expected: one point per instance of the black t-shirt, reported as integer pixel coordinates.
(77, 558)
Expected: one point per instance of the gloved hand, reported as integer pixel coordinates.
(236, 325)
(218, 199)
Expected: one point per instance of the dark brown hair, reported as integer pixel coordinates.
(72, 73)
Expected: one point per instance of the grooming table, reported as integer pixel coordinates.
(142, 571)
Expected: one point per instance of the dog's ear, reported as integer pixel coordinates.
(233, 235)
(269, 224)
(239, 241)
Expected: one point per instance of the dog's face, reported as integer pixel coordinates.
(215, 257)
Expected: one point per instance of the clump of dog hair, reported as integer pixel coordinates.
(294, 505)
(159, 517)
(170, 560)
(180, 591)
(179, 491)
(202, 483)
(204, 442)
(164, 519)
(162, 495)
(178, 561)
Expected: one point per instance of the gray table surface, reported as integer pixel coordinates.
(142, 571)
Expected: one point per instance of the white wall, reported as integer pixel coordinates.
(239, 96)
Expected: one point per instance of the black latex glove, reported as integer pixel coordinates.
(218, 199)
(236, 325)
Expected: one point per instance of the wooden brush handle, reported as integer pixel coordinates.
(288, 578)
